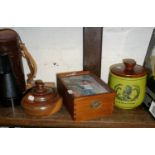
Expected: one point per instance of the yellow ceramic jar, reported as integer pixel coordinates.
(129, 81)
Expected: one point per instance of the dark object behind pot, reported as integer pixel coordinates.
(10, 44)
(10, 91)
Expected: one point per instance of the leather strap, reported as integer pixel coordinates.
(31, 63)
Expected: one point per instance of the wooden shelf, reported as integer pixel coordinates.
(137, 118)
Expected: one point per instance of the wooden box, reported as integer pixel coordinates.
(85, 95)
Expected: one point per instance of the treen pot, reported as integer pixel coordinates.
(129, 82)
(41, 100)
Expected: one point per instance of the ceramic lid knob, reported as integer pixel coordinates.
(129, 64)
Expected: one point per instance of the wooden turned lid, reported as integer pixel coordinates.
(41, 90)
(41, 94)
(128, 68)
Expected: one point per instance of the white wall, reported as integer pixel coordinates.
(120, 43)
(54, 49)
(64, 46)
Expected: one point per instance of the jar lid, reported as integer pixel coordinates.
(128, 68)
(41, 94)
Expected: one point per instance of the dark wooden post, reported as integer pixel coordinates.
(92, 49)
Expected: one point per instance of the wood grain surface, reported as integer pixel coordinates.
(137, 118)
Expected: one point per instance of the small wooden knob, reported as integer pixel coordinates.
(39, 86)
(129, 64)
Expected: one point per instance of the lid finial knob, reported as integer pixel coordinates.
(129, 64)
